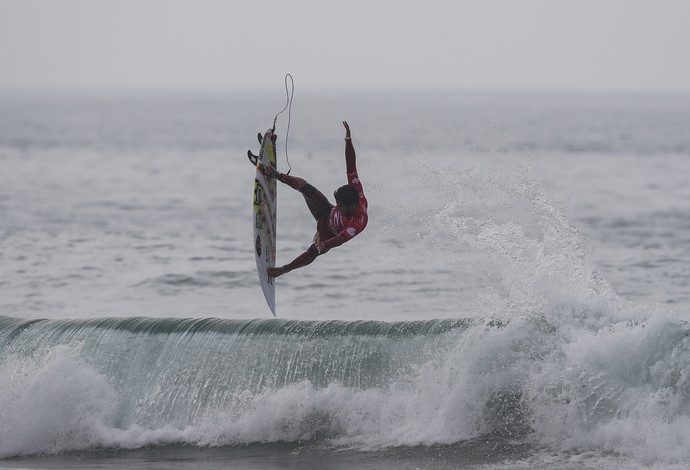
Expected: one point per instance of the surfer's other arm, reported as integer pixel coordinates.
(302, 260)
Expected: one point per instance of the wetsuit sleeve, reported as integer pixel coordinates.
(302, 260)
(350, 157)
(351, 167)
(336, 241)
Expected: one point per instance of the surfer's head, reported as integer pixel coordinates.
(346, 199)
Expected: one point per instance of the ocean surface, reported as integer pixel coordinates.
(519, 300)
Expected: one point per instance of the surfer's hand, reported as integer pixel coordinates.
(275, 272)
(347, 130)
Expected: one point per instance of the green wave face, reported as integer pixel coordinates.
(174, 370)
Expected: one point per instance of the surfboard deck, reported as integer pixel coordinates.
(265, 205)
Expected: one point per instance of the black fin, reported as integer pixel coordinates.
(252, 158)
(260, 137)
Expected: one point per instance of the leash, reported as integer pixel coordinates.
(289, 93)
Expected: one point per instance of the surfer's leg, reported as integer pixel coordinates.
(316, 202)
(294, 182)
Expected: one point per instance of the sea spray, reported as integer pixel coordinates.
(624, 388)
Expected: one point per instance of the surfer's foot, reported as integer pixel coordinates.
(269, 172)
(275, 272)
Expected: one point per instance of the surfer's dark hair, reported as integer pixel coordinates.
(347, 195)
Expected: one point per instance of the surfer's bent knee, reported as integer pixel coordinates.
(313, 250)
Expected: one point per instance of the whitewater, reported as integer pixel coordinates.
(519, 300)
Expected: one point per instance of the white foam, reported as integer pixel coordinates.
(52, 403)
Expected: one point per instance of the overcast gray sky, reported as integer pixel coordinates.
(625, 45)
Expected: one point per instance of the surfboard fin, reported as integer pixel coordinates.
(260, 137)
(252, 158)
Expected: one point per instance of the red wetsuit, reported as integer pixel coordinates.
(332, 228)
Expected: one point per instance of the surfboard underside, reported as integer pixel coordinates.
(265, 204)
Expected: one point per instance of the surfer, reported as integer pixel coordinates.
(335, 224)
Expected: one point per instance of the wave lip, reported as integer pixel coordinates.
(274, 326)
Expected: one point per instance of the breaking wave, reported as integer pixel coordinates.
(83, 384)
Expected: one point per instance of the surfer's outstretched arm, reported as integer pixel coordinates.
(350, 157)
(351, 165)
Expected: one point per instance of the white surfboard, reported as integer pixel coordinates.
(265, 204)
